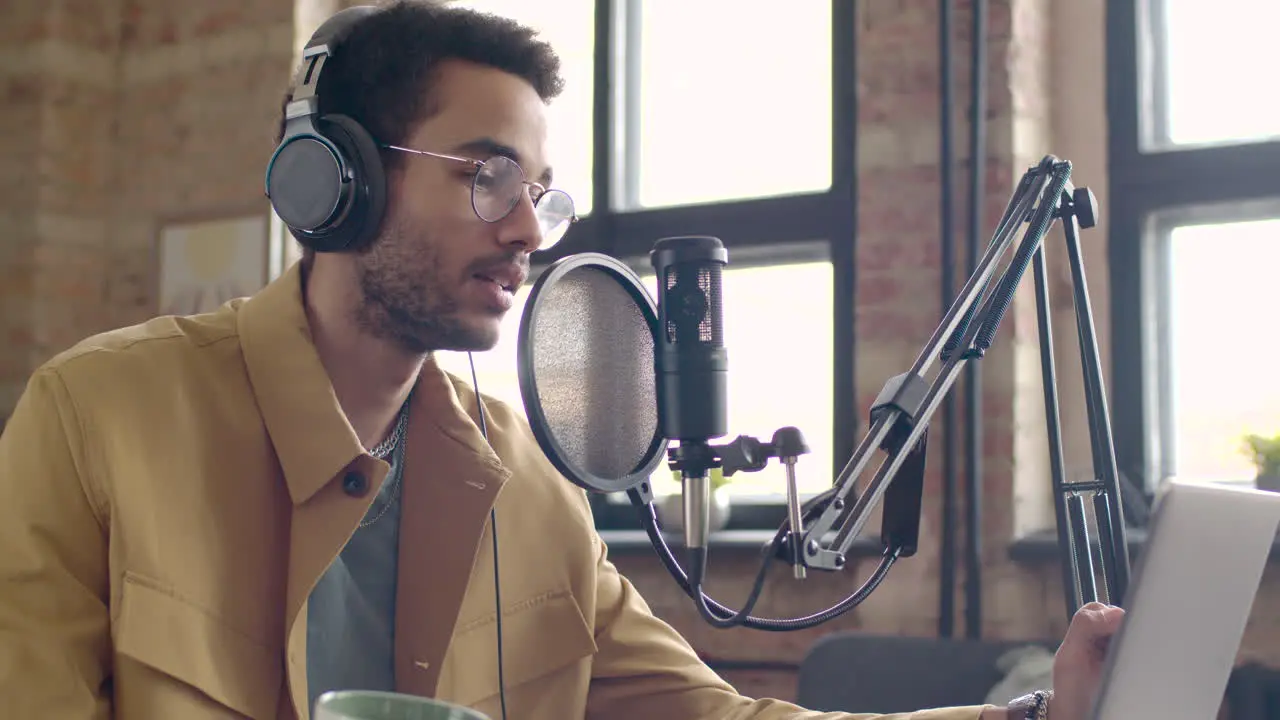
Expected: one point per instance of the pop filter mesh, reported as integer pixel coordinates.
(592, 356)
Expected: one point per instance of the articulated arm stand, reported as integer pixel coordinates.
(900, 417)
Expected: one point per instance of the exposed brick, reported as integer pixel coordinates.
(92, 24)
(898, 77)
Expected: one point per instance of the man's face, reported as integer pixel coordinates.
(438, 277)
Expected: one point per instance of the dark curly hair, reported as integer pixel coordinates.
(382, 75)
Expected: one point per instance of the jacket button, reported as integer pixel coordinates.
(355, 484)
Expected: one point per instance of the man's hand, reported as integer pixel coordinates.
(1077, 666)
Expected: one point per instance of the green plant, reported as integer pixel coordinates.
(718, 480)
(1265, 452)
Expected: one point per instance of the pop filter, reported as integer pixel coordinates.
(585, 359)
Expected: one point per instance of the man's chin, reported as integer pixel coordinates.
(473, 335)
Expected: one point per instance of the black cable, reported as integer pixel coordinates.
(493, 533)
(721, 616)
(950, 411)
(973, 378)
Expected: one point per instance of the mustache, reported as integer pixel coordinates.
(503, 261)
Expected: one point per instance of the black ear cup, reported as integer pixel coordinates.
(326, 180)
(369, 182)
(307, 182)
(329, 187)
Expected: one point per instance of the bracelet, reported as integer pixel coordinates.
(1034, 706)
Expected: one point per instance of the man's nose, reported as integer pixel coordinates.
(520, 228)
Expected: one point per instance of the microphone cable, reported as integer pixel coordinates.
(493, 533)
(721, 616)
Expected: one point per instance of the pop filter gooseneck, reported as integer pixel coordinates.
(585, 357)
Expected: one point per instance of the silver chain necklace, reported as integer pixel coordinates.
(384, 450)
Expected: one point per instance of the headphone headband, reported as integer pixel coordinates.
(325, 179)
(323, 43)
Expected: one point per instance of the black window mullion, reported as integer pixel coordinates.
(1201, 175)
(764, 221)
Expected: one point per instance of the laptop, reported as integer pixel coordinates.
(1189, 599)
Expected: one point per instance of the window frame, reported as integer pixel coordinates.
(756, 231)
(1152, 187)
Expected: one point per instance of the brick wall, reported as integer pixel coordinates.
(59, 95)
(122, 114)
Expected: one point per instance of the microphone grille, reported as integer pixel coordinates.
(694, 309)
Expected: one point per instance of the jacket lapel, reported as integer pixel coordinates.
(315, 445)
(451, 481)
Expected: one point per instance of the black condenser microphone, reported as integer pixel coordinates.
(691, 367)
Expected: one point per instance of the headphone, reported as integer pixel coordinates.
(325, 179)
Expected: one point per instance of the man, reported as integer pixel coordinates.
(231, 513)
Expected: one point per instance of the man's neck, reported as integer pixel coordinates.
(371, 376)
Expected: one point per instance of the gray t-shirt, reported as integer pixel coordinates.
(351, 612)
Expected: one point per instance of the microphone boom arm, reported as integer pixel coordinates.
(908, 402)
(819, 534)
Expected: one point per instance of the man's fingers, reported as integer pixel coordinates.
(1093, 626)
(1096, 614)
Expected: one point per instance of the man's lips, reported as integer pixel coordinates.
(507, 277)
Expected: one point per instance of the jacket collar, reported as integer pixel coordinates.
(308, 428)
(311, 435)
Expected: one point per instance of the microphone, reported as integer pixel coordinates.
(691, 372)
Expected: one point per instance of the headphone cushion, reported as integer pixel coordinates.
(368, 199)
(352, 191)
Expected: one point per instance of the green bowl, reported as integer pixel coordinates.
(373, 705)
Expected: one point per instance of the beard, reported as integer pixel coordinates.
(407, 297)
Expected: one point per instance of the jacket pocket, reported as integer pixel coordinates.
(157, 628)
(540, 636)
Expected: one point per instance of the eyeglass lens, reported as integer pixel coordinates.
(496, 190)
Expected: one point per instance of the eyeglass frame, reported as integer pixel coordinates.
(478, 164)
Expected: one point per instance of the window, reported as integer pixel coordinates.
(1194, 235)
(780, 356)
(714, 121)
(777, 330)
(568, 25)
(283, 250)
(1213, 67)
(1218, 343)
(496, 369)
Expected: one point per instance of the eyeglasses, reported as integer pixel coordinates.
(496, 189)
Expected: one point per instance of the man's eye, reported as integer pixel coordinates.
(483, 181)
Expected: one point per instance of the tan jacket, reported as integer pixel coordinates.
(170, 493)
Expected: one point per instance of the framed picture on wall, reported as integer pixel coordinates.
(206, 262)
(284, 248)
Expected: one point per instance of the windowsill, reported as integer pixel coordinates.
(630, 542)
(1042, 547)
